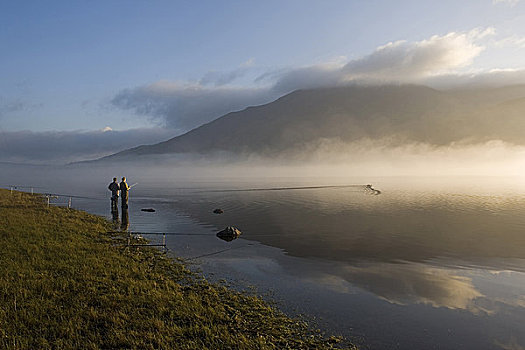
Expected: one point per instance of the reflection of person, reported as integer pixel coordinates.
(125, 220)
(124, 188)
(116, 221)
(114, 188)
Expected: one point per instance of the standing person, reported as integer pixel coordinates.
(114, 188)
(124, 192)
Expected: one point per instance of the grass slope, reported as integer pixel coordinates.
(65, 283)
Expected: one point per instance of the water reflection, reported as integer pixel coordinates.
(414, 283)
(124, 226)
(413, 303)
(115, 221)
(345, 225)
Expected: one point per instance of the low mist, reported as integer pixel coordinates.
(328, 162)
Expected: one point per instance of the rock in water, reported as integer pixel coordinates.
(149, 210)
(218, 211)
(372, 190)
(229, 234)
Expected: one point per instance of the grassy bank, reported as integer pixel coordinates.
(66, 283)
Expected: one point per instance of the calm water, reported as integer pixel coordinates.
(428, 264)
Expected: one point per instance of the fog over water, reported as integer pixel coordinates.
(431, 261)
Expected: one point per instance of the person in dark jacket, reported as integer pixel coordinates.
(114, 188)
(124, 188)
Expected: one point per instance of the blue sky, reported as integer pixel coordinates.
(85, 65)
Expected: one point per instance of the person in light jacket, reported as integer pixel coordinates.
(124, 188)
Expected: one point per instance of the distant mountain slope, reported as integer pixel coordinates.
(405, 113)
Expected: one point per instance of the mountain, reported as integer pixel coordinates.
(399, 113)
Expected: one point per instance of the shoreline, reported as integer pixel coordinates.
(69, 283)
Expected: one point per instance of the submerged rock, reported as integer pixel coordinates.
(372, 190)
(229, 234)
(149, 210)
(218, 211)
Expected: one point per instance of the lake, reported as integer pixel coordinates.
(430, 263)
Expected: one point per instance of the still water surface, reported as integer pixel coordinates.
(427, 264)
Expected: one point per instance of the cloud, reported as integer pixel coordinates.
(221, 78)
(513, 41)
(217, 78)
(395, 62)
(491, 78)
(408, 62)
(321, 75)
(185, 106)
(505, 2)
(440, 61)
(66, 146)
(13, 106)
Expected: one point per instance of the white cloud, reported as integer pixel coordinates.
(511, 41)
(505, 2)
(394, 62)
(408, 62)
(441, 61)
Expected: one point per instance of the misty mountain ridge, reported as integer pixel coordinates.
(395, 114)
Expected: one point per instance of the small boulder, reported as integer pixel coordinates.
(218, 211)
(229, 234)
(372, 190)
(149, 210)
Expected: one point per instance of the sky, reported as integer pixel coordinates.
(159, 68)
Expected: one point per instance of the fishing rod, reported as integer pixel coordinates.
(288, 188)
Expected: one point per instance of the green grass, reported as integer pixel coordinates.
(65, 283)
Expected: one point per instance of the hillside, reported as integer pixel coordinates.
(402, 114)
